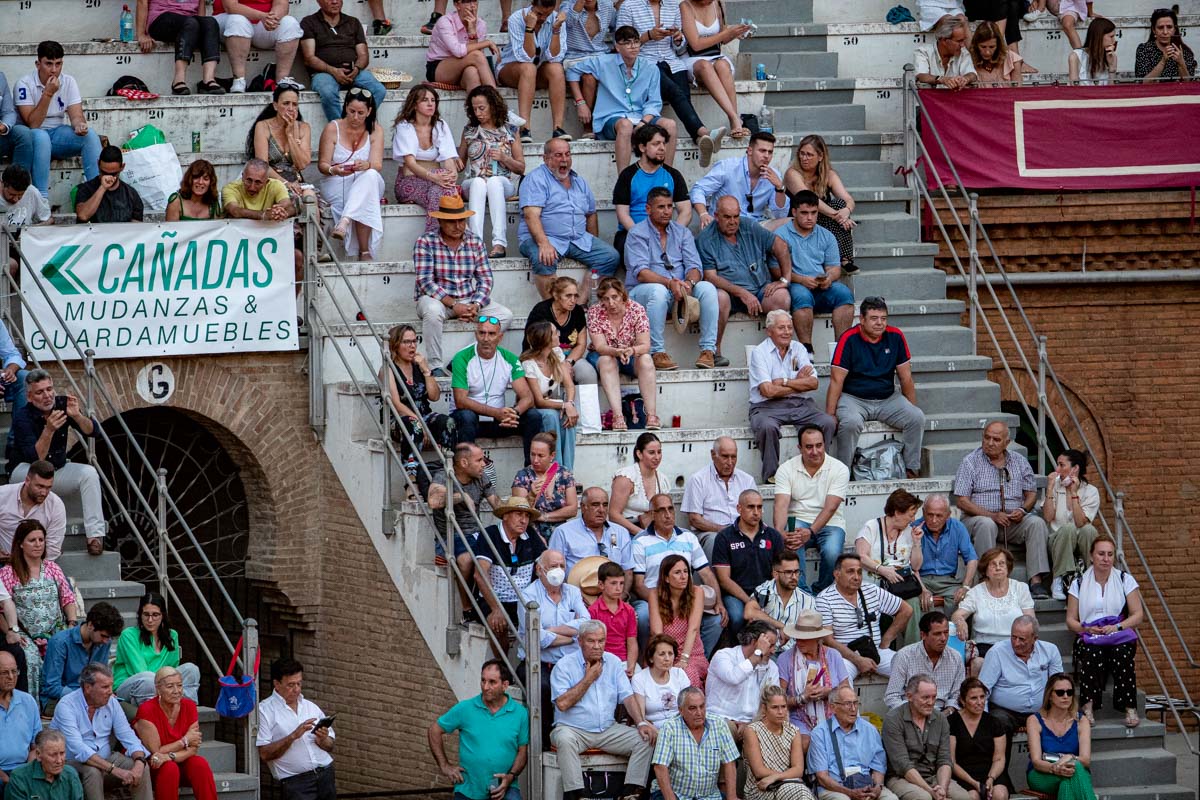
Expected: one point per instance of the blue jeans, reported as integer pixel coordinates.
(710, 628)
(552, 421)
(18, 143)
(330, 91)
(602, 257)
(470, 427)
(659, 305)
(831, 541)
(15, 393)
(736, 610)
(821, 301)
(62, 142)
(513, 793)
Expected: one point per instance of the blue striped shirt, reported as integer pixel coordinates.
(579, 44)
(514, 48)
(649, 550)
(638, 14)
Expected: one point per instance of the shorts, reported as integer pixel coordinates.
(431, 70)
(609, 132)
(821, 301)
(288, 30)
(593, 358)
(1061, 8)
(460, 546)
(736, 306)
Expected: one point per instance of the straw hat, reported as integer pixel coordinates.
(807, 626)
(516, 504)
(451, 207)
(585, 576)
(687, 311)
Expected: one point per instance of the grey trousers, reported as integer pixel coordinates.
(138, 688)
(943, 586)
(617, 739)
(94, 780)
(1031, 531)
(854, 412)
(1066, 542)
(910, 791)
(766, 419)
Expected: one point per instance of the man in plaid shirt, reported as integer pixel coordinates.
(454, 278)
(692, 750)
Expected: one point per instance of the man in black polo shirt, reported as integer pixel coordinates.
(500, 582)
(742, 556)
(39, 433)
(105, 198)
(334, 48)
(862, 385)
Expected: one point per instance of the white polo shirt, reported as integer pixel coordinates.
(29, 91)
(276, 720)
(766, 365)
(928, 61)
(707, 494)
(808, 492)
(50, 512)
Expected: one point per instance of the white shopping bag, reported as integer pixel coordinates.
(154, 172)
(587, 395)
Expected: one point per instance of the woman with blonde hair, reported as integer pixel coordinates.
(811, 170)
(564, 310)
(619, 331)
(552, 385)
(169, 725)
(995, 63)
(774, 752)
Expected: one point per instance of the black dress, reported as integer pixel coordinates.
(1148, 56)
(974, 753)
(441, 425)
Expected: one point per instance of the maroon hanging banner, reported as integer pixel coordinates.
(1128, 136)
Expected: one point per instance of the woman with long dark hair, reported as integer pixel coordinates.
(351, 157)
(1095, 64)
(147, 647)
(634, 485)
(1164, 56)
(281, 137)
(198, 197)
(677, 610)
(492, 160)
(424, 146)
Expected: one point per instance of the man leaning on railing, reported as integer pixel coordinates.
(946, 62)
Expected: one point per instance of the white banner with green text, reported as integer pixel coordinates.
(171, 288)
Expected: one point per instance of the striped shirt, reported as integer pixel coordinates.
(994, 488)
(639, 14)
(463, 274)
(649, 550)
(694, 766)
(766, 594)
(579, 44)
(546, 51)
(847, 619)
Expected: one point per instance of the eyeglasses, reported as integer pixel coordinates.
(151, 614)
(788, 572)
(492, 320)
(846, 703)
(1065, 692)
(1004, 475)
(408, 341)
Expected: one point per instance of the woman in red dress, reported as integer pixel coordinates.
(677, 609)
(169, 725)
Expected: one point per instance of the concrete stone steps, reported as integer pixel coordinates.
(122, 594)
(84, 567)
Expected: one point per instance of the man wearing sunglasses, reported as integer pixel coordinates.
(104, 198)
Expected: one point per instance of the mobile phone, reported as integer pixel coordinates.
(60, 402)
(325, 722)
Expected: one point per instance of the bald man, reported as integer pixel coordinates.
(710, 496)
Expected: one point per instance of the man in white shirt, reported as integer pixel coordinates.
(295, 738)
(737, 675)
(710, 496)
(782, 379)
(32, 499)
(947, 61)
(809, 491)
(50, 106)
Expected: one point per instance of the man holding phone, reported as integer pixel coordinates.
(295, 737)
(39, 433)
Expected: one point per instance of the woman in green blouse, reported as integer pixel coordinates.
(142, 650)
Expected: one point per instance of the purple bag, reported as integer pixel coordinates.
(1120, 637)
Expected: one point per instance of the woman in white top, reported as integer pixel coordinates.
(704, 28)
(491, 159)
(656, 689)
(1070, 506)
(889, 547)
(424, 145)
(995, 603)
(552, 386)
(633, 486)
(350, 155)
(1104, 608)
(1095, 63)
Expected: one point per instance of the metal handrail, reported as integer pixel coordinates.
(159, 511)
(320, 330)
(918, 125)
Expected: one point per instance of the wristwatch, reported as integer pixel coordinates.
(758, 652)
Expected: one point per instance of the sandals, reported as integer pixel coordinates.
(739, 133)
(498, 252)
(180, 88)
(618, 423)
(653, 423)
(1131, 718)
(342, 229)
(1087, 712)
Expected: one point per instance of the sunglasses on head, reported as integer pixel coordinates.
(1065, 692)
(492, 320)
(358, 91)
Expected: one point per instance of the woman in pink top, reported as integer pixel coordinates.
(459, 47)
(185, 23)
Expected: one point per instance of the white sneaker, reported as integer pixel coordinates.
(1056, 590)
(238, 86)
(515, 120)
(1034, 16)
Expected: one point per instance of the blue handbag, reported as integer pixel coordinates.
(238, 695)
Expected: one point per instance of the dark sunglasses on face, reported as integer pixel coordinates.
(1065, 692)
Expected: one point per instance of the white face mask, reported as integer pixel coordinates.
(556, 576)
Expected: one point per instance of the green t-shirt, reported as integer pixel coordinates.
(134, 657)
(486, 381)
(29, 781)
(487, 742)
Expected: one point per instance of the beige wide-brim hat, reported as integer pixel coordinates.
(585, 575)
(687, 311)
(807, 626)
(516, 504)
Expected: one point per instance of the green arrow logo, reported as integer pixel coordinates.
(58, 269)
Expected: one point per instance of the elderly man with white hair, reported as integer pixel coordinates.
(944, 543)
(947, 60)
(782, 380)
(710, 496)
(586, 686)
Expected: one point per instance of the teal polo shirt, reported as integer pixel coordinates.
(487, 742)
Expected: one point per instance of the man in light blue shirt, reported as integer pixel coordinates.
(586, 686)
(12, 374)
(558, 220)
(816, 268)
(69, 651)
(1015, 673)
(862, 760)
(627, 95)
(20, 718)
(88, 718)
(662, 268)
(750, 179)
(532, 57)
(946, 540)
(593, 534)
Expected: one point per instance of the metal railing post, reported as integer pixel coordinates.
(1042, 400)
(533, 695)
(89, 373)
(973, 274)
(316, 381)
(910, 133)
(389, 417)
(454, 611)
(1119, 510)
(161, 487)
(250, 653)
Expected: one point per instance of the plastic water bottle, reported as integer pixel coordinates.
(760, 72)
(410, 466)
(126, 24)
(766, 119)
(593, 297)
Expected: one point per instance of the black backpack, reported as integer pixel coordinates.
(128, 82)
